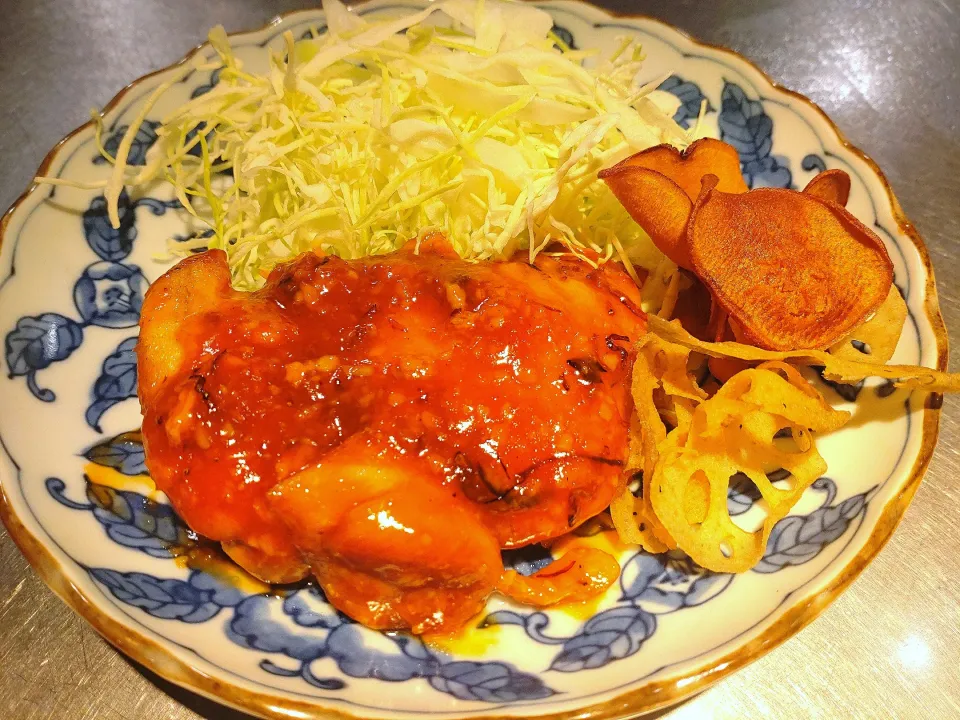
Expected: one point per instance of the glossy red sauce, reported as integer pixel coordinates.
(389, 423)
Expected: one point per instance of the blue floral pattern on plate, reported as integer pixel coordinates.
(135, 521)
(108, 294)
(290, 643)
(142, 142)
(690, 96)
(650, 586)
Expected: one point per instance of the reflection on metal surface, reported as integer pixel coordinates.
(914, 654)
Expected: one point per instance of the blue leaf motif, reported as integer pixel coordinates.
(167, 599)
(706, 587)
(769, 172)
(144, 139)
(254, 626)
(690, 97)
(130, 536)
(361, 653)
(117, 382)
(564, 36)
(309, 608)
(122, 452)
(135, 521)
(744, 124)
(114, 244)
(221, 592)
(488, 682)
(611, 635)
(797, 539)
(639, 573)
(668, 582)
(110, 294)
(109, 243)
(534, 624)
(129, 518)
(304, 672)
(322, 632)
(35, 343)
(741, 495)
(214, 80)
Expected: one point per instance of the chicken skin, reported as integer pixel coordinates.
(390, 424)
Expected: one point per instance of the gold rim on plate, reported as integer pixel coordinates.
(650, 697)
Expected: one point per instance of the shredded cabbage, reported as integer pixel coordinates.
(361, 139)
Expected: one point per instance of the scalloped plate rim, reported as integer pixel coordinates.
(643, 699)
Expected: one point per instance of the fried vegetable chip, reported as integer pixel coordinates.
(632, 516)
(635, 522)
(658, 186)
(657, 204)
(692, 308)
(836, 369)
(735, 432)
(798, 401)
(706, 156)
(792, 270)
(830, 185)
(723, 368)
(669, 363)
(876, 340)
(662, 386)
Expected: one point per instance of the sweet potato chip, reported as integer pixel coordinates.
(735, 432)
(658, 205)
(876, 340)
(792, 270)
(724, 368)
(719, 330)
(658, 186)
(836, 369)
(706, 156)
(832, 185)
(692, 308)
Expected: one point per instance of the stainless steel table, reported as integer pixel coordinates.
(886, 71)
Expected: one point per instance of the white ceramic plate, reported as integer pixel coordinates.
(76, 502)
